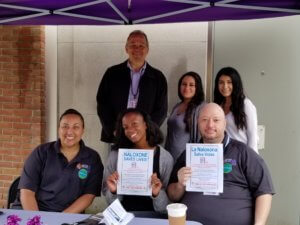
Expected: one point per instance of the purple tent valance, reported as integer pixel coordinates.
(107, 12)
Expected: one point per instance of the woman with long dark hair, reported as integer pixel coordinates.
(182, 123)
(241, 116)
(135, 130)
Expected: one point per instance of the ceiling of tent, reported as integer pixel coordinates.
(107, 12)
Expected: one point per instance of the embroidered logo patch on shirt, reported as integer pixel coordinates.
(228, 163)
(231, 161)
(82, 173)
(227, 167)
(83, 170)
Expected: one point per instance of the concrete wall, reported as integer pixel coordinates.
(266, 53)
(85, 52)
(51, 82)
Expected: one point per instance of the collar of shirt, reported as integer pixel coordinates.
(225, 141)
(81, 154)
(140, 72)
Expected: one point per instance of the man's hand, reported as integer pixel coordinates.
(112, 181)
(183, 175)
(155, 184)
(176, 190)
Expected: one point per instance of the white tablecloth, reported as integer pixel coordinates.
(52, 218)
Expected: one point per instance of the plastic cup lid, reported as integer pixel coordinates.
(176, 209)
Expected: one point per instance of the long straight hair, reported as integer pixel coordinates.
(196, 100)
(237, 96)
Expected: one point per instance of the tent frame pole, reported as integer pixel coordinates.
(210, 61)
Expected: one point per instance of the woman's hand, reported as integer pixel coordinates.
(183, 175)
(112, 181)
(155, 184)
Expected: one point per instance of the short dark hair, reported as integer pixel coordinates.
(138, 32)
(197, 99)
(154, 135)
(72, 112)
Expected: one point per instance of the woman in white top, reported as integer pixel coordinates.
(182, 122)
(241, 116)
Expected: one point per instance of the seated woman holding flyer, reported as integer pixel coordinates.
(135, 130)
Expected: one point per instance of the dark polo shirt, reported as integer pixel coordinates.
(57, 182)
(246, 177)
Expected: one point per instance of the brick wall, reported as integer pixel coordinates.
(22, 99)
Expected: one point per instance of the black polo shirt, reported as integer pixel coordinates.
(57, 182)
(246, 177)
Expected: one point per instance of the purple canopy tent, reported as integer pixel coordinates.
(107, 12)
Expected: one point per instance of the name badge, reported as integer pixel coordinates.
(211, 193)
(132, 103)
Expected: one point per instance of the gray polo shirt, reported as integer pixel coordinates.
(246, 177)
(57, 182)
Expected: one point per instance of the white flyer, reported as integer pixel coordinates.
(115, 214)
(206, 163)
(135, 167)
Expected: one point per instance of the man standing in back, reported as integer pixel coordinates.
(131, 84)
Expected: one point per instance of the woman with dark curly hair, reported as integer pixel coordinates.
(241, 116)
(182, 122)
(135, 130)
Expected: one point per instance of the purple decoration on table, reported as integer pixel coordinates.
(36, 220)
(13, 220)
